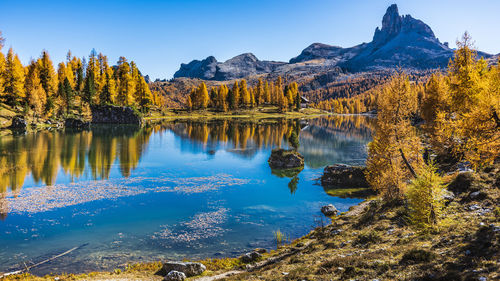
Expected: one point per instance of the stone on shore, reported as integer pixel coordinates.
(18, 123)
(285, 159)
(188, 268)
(175, 276)
(344, 176)
(250, 257)
(329, 210)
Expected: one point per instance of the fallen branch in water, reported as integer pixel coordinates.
(27, 268)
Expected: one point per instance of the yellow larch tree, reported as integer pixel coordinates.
(394, 154)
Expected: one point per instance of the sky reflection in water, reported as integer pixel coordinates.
(168, 190)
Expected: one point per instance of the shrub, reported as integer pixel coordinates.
(425, 197)
(367, 238)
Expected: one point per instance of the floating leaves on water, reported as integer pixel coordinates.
(202, 226)
(35, 200)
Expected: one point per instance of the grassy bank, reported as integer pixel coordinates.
(255, 113)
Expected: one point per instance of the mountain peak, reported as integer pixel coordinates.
(393, 24)
(247, 57)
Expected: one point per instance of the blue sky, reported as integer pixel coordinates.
(160, 35)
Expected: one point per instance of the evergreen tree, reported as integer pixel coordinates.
(79, 80)
(297, 101)
(89, 90)
(234, 96)
(213, 97)
(68, 94)
(108, 93)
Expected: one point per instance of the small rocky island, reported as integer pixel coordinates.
(285, 159)
(345, 181)
(344, 176)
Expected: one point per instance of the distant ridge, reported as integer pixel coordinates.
(402, 41)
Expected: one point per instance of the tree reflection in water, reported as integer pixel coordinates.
(43, 155)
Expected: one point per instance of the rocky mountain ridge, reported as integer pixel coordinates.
(401, 42)
(240, 66)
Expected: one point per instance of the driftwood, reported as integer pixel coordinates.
(27, 268)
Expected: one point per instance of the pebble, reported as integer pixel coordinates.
(474, 207)
(336, 231)
(482, 278)
(474, 195)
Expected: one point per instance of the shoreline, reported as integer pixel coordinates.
(223, 265)
(369, 241)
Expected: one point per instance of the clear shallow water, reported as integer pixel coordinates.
(168, 190)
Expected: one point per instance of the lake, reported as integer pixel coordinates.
(168, 190)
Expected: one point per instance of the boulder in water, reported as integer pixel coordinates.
(345, 176)
(285, 159)
(329, 210)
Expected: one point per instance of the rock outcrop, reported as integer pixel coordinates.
(18, 123)
(204, 69)
(285, 159)
(344, 176)
(238, 67)
(110, 114)
(75, 123)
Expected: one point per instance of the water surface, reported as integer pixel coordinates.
(169, 190)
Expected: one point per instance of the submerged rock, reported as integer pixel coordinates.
(188, 268)
(285, 159)
(345, 176)
(175, 276)
(329, 210)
